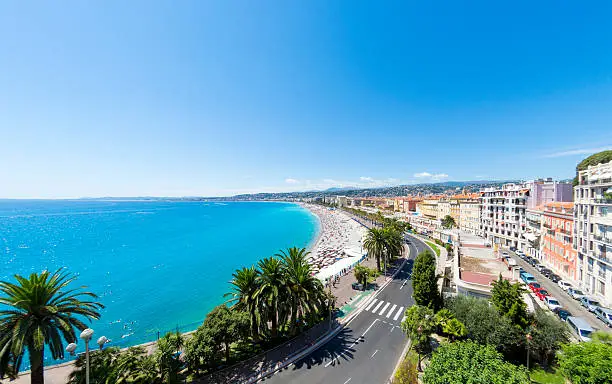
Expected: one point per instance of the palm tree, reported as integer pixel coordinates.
(375, 244)
(41, 310)
(271, 284)
(393, 243)
(167, 356)
(306, 292)
(101, 367)
(245, 284)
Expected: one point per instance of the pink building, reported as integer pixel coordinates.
(547, 191)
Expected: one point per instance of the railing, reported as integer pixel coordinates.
(602, 201)
(603, 239)
(599, 181)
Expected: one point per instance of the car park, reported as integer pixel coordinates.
(542, 293)
(534, 286)
(552, 303)
(564, 285)
(605, 315)
(580, 327)
(562, 313)
(575, 293)
(589, 303)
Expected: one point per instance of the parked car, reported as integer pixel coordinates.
(534, 262)
(357, 286)
(562, 313)
(605, 315)
(534, 286)
(542, 293)
(528, 259)
(564, 285)
(580, 326)
(546, 272)
(540, 267)
(552, 303)
(527, 278)
(575, 293)
(589, 303)
(554, 278)
(513, 249)
(505, 254)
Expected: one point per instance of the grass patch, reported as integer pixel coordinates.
(434, 247)
(540, 376)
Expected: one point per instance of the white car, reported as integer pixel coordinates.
(520, 253)
(564, 285)
(552, 303)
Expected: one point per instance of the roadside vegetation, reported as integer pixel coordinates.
(268, 303)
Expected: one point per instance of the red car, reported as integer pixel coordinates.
(534, 287)
(542, 293)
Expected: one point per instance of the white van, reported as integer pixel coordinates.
(580, 327)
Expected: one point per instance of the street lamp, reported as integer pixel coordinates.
(529, 337)
(86, 336)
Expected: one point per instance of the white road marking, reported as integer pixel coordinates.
(403, 318)
(399, 313)
(391, 311)
(371, 304)
(349, 379)
(378, 306)
(384, 308)
(351, 346)
(376, 351)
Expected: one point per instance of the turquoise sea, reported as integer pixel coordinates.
(156, 265)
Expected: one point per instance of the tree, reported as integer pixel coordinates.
(594, 159)
(449, 325)
(245, 285)
(375, 244)
(202, 351)
(468, 362)
(306, 293)
(101, 367)
(508, 299)
(42, 310)
(448, 222)
(135, 366)
(394, 245)
(418, 325)
(548, 334)
(226, 326)
(364, 275)
(168, 359)
(486, 325)
(586, 363)
(425, 281)
(271, 282)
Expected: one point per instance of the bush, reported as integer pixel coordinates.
(407, 372)
(587, 363)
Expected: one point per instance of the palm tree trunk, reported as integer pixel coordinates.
(274, 322)
(36, 366)
(378, 262)
(227, 352)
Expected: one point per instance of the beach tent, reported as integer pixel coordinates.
(337, 267)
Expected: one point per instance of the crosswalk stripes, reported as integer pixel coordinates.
(371, 304)
(399, 313)
(386, 309)
(383, 310)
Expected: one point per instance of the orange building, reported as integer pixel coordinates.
(556, 248)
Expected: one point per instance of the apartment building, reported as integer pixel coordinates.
(544, 191)
(533, 231)
(557, 231)
(469, 216)
(593, 231)
(502, 214)
(444, 209)
(428, 208)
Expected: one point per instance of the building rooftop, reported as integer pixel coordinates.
(479, 264)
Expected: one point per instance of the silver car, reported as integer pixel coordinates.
(605, 315)
(575, 293)
(590, 304)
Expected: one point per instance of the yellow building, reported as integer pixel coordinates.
(429, 208)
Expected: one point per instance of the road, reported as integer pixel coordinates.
(368, 348)
(564, 299)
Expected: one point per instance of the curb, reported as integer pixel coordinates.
(399, 362)
(325, 338)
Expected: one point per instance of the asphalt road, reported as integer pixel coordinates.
(368, 349)
(564, 299)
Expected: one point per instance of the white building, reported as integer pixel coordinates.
(502, 215)
(469, 216)
(533, 231)
(593, 231)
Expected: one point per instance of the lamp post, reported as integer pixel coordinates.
(528, 337)
(86, 336)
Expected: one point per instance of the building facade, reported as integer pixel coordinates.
(429, 208)
(502, 214)
(444, 209)
(533, 231)
(469, 216)
(593, 231)
(557, 239)
(547, 191)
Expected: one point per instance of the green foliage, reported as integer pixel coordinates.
(202, 351)
(37, 311)
(548, 334)
(434, 247)
(425, 281)
(587, 363)
(168, 359)
(448, 222)
(226, 326)
(101, 365)
(245, 286)
(597, 158)
(541, 376)
(449, 325)
(272, 290)
(418, 325)
(468, 362)
(407, 372)
(364, 275)
(110, 366)
(508, 299)
(486, 325)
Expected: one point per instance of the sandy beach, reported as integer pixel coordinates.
(338, 244)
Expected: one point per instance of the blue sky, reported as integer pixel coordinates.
(223, 97)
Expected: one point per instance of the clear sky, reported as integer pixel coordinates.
(128, 98)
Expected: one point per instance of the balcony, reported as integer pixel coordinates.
(602, 201)
(599, 181)
(603, 239)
